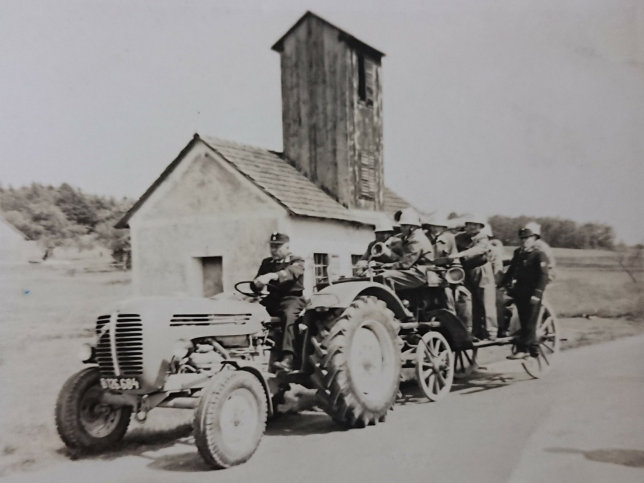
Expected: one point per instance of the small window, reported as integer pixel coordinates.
(321, 264)
(366, 80)
(354, 261)
(212, 273)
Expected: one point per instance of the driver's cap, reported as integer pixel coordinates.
(278, 239)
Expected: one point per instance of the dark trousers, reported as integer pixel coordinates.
(528, 317)
(288, 309)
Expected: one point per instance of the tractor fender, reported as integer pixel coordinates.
(260, 376)
(340, 295)
(452, 328)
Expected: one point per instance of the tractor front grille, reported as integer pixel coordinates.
(119, 348)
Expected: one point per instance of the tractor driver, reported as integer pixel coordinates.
(282, 273)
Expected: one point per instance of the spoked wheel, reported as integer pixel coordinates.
(548, 337)
(464, 363)
(434, 365)
(230, 419)
(83, 420)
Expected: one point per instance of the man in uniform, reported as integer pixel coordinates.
(442, 238)
(526, 278)
(479, 278)
(416, 251)
(282, 273)
(382, 232)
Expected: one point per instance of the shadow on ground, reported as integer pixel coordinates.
(479, 381)
(633, 458)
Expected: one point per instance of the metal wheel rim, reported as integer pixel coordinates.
(238, 419)
(371, 363)
(548, 348)
(434, 365)
(98, 419)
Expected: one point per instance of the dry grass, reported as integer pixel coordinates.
(592, 283)
(48, 311)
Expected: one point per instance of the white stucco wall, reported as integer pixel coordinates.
(204, 208)
(338, 239)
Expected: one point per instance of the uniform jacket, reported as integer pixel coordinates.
(495, 257)
(445, 245)
(478, 247)
(290, 271)
(416, 249)
(529, 271)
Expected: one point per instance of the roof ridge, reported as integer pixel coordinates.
(229, 142)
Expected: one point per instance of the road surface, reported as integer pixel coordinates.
(584, 422)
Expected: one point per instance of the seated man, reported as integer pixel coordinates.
(416, 252)
(382, 232)
(283, 274)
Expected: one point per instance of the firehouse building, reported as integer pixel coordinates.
(204, 223)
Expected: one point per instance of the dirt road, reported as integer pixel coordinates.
(583, 423)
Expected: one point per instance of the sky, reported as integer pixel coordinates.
(491, 106)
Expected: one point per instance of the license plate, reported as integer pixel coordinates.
(120, 383)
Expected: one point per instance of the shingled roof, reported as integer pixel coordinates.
(280, 180)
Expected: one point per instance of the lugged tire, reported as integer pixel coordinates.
(340, 364)
(82, 421)
(230, 419)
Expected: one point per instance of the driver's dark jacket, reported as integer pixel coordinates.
(290, 271)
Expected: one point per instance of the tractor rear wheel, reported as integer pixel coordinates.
(356, 360)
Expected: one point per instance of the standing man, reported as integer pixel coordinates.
(479, 277)
(282, 273)
(527, 277)
(416, 251)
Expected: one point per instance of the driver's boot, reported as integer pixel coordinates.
(286, 364)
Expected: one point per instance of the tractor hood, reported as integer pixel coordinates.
(183, 305)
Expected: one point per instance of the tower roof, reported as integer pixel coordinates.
(344, 35)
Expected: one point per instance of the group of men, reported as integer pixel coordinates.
(439, 242)
(416, 247)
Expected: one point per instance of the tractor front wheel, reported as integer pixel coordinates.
(230, 419)
(83, 420)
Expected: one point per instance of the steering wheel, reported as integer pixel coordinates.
(252, 293)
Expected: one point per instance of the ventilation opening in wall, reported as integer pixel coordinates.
(212, 275)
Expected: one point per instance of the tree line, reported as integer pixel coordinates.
(65, 216)
(558, 232)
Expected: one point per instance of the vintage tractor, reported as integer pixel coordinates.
(215, 356)
(355, 341)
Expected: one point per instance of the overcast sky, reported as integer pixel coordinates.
(496, 106)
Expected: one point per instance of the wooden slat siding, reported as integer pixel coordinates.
(326, 127)
(368, 181)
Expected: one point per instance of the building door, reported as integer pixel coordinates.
(211, 268)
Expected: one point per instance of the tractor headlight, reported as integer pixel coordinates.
(86, 352)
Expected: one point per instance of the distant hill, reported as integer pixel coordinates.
(65, 216)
